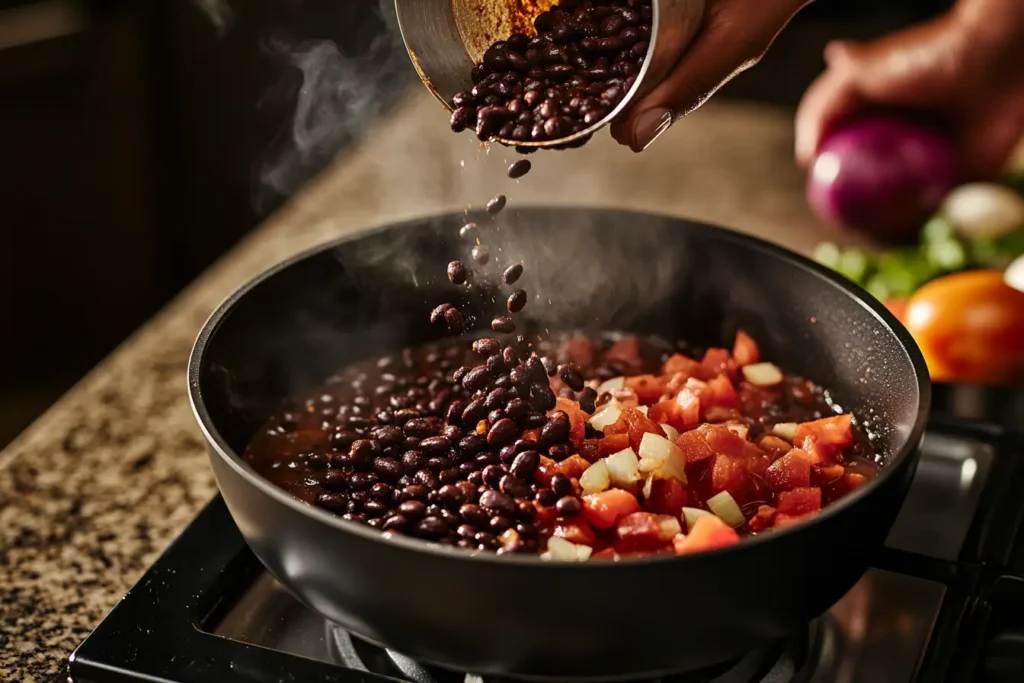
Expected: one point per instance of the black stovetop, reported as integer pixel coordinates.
(943, 603)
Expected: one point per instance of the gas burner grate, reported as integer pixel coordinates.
(803, 658)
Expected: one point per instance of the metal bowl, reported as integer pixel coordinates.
(447, 38)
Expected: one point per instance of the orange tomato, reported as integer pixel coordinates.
(970, 327)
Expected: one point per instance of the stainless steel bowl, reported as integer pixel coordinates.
(447, 38)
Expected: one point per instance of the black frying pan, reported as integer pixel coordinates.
(517, 615)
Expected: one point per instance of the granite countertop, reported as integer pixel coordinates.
(100, 484)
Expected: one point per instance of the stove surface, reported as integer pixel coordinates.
(944, 601)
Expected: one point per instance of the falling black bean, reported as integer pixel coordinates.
(512, 273)
(437, 315)
(469, 231)
(495, 205)
(457, 273)
(571, 375)
(503, 323)
(516, 301)
(456, 323)
(519, 168)
(481, 255)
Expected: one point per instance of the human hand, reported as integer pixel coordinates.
(963, 68)
(734, 37)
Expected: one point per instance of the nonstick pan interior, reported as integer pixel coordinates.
(601, 270)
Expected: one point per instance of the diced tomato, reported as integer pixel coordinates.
(664, 412)
(729, 473)
(823, 475)
(718, 361)
(680, 364)
(783, 520)
(721, 392)
(762, 519)
(580, 351)
(721, 439)
(694, 447)
(668, 497)
(640, 424)
(638, 531)
(620, 426)
(604, 509)
(614, 443)
(709, 533)
(824, 438)
(545, 470)
(721, 414)
(577, 418)
(545, 516)
(528, 435)
(744, 350)
(773, 446)
(648, 388)
(625, 354)
(791, 471)
(590, 450)
(799, 501)
(574, 466)
(688, 409)
(575, 531)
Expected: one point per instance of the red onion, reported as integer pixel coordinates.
(882, 175)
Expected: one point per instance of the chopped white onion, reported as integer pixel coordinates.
(670, 432)
(691, 515)
(648, 483)
(562, 550)
(606, 415)
(643, 409)
(595, 478)
(1014, 274)
(762, 374)
(738, 428)
(668, 527)
(725, 508)
(583, 552)
(983, 210)
(623, 469)
(662, 458)
(785, 430)
(611, 384)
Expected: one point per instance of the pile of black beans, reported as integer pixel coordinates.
(584, 59)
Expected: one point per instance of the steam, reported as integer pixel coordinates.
(219, 12)
(339, 97)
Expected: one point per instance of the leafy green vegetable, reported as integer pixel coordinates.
(937, 229)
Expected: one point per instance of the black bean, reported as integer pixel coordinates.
(427, 478)
(514, 486)
(496, 365)
(517, 408)
(435, 444)
(496, 204)
(474, 515)
(363, 452)
(462, 118)
(412, 509)
(343, 438)
(500, 523)
(586, 399)
(569, 506)
(492, 474)
(494, 416)
(431, 527)
(477, 378)
(395, 522)
(512, 273)
(546, 497)
(457, 273)
(474, 412)
(571, 375)
(497, 501)
(388, 468)
(510, 356)
(502, 432)
(534, 420)
(560, 451)
(481, 255)
(333, 501)
(561, 485)
(556, 430)
(469, 231)
(503, 324)
(487, 346)
(519, 168)
(362, 481)
(450, 495)
(376, 508)
(471, 444)
(497, 398)
(516, 301)
(543, 397)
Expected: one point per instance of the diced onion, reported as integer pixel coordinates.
(561, 550)
(785, 430)
(611, 384)
(668, 527)
(670, 432)
(623, 469)
(583, 552)
(606, 415)
(648, 484)
(595, 478)
(739, 429)
(725, 508)
(643, 409)
(691, 515)
(762, 374)
(661, 458)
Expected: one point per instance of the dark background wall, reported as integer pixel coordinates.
(135, 133)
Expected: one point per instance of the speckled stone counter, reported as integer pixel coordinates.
(97, 487)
